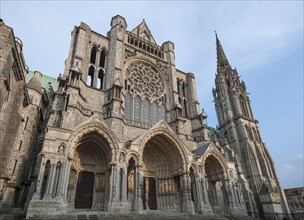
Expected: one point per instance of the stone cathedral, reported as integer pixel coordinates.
(121, 131)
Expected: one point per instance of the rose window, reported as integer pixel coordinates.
(144, 80)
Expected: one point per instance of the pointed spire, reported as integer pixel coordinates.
(222, 61)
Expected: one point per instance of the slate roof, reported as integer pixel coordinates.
(202, 149)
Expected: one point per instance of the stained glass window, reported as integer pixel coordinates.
(154, 111)
(146, 112)
(128, 107)
(137, 109)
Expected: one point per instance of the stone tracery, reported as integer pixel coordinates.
(145, 80)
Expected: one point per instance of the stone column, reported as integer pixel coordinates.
(227, 194)
(95, 77)
(137, 190)
(147, 192)
(112, 192)
(64, 176)
(186, 188)
(200, 201)
(51, 179)
(39, 181)
(124, 184)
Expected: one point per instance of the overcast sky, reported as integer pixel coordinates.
(263, 40)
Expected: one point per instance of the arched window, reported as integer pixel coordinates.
(137, 109)
(185, 108)
(243, 106)
(291, 205)
(90, 78)
(249, 133)
(102, 58)
(296, 205)
(93, 55)
(100, 79)
(128, 107)
(255, 134)
(146, 112)
(162, 112)
(184, 89)
(178, 89)
(154, 110)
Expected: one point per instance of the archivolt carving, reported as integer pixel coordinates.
(218, 157)
(164, 132)
(100, 129)
(133, 155)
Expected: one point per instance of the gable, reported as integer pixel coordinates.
(143, 32)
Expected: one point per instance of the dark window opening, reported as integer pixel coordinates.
(100, 79)
(126, 84)
(93, 55)
(26, 123)
(90, 78)
(14, 166)
(102, 58)
(20, 145)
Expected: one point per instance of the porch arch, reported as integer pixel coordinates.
(94, 150)
(216, 174)
(163, 163)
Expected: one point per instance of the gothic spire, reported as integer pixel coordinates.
(222, 61)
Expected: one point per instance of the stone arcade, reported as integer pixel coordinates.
(121, 131)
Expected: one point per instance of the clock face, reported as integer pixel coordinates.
(145, 80)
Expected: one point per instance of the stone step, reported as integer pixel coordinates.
(138, 217)
(82, 217)
(93, 217)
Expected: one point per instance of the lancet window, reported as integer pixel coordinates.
(97, 62)
(244, 106)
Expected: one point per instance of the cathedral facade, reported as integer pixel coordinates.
(121, 131)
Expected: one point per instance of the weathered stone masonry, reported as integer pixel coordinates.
(121, 131)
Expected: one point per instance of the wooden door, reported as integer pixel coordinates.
(84, 191)
(152, 194)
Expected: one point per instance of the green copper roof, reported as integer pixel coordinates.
(213, 132)
(45, 80)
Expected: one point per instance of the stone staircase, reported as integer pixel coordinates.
(150, 215)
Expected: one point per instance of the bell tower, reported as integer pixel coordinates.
(238, 126)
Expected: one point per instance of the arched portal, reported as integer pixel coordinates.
(217, 193)
(90, 174)
(162, 170)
